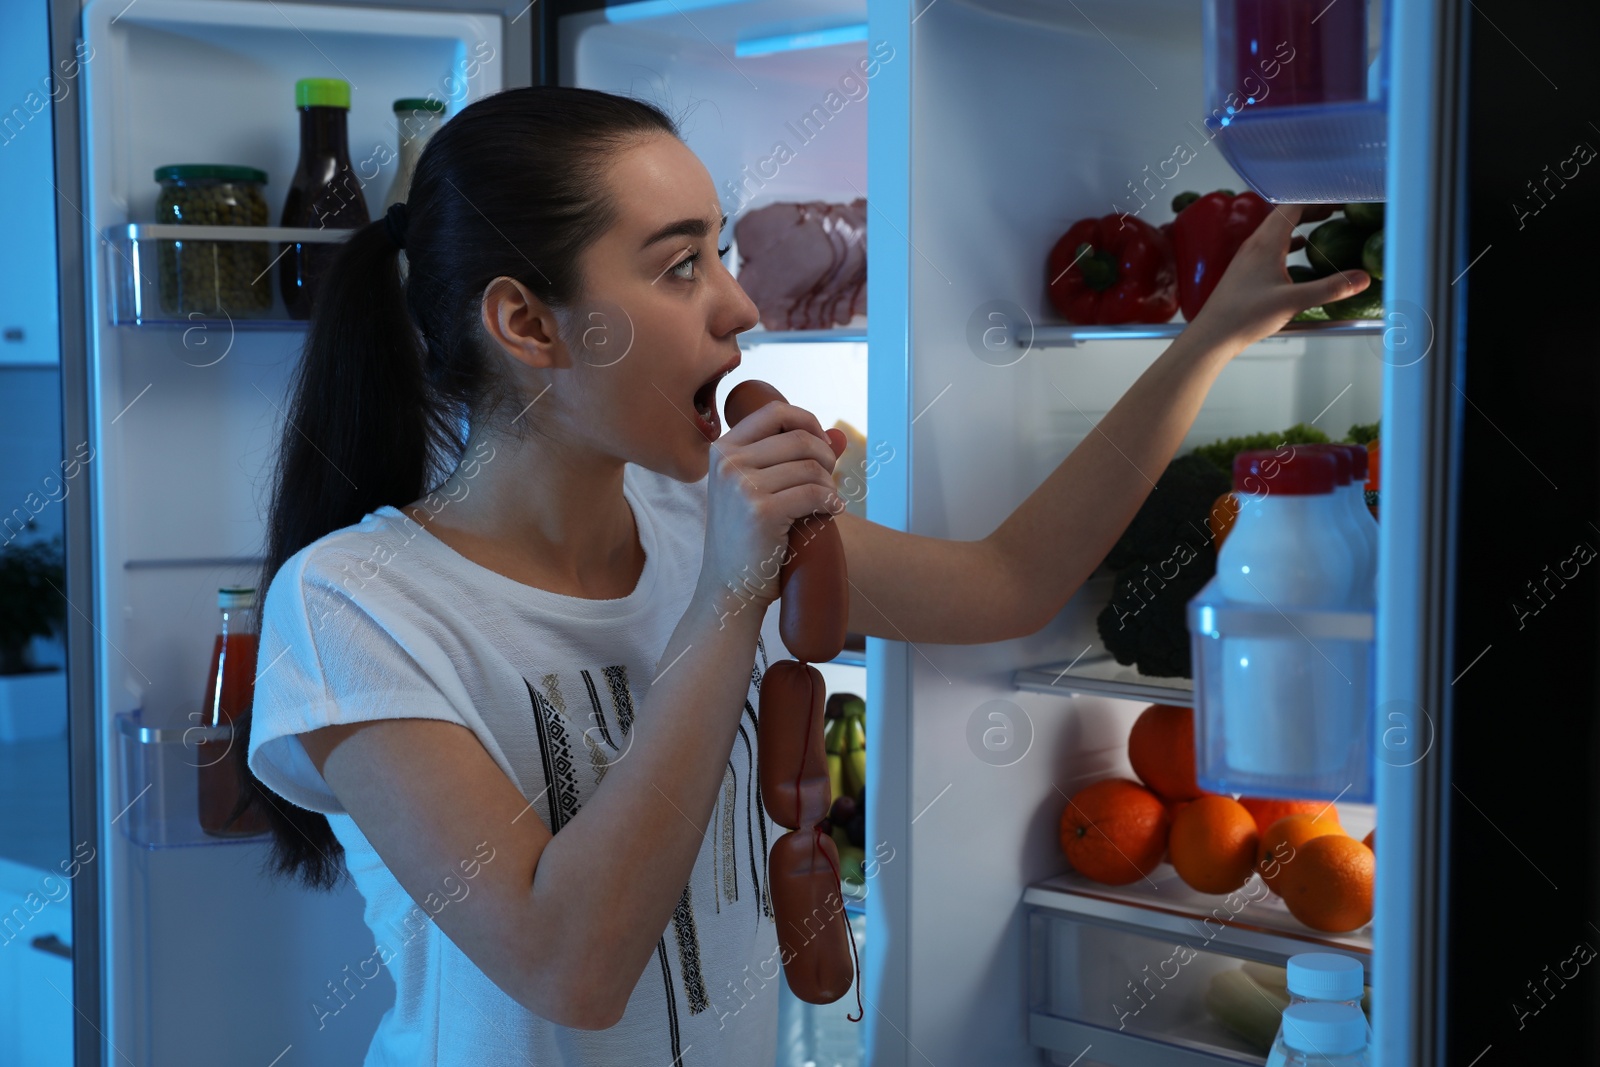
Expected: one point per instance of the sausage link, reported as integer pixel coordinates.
(812, 937)
(791, 752)
(803, 865)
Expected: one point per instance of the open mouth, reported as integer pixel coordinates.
(705, 402)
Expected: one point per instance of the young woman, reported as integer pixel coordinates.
(503, 680)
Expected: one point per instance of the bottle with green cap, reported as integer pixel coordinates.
(324, 193)
(1321, 978)
(1325, 1035)
(419, 118)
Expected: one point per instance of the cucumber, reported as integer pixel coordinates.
(1335, 246)
(1368, 217)
(1268, 977)
(1298, 274)
(1367, 304)
(1316, 314)
(1372, 256)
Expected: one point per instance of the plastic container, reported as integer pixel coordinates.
(419, 118)
(1297, 96)
(324, 192)
(213, 277)
(1321, 977)
(1283, 655)
(1326, 1035)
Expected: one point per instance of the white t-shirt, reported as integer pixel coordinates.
(381, 620)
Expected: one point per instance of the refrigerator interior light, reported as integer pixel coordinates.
(634, 10)
(790, 42)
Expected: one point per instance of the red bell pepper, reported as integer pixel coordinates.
(1112, 270)
(1205, 236)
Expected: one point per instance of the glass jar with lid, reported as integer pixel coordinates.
(211, 277)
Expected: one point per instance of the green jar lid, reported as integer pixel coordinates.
(322, 92)
(417, 103)
(218, 172)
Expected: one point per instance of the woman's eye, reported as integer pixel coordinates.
(685, 262)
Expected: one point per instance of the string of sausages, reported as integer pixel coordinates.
(814, 938)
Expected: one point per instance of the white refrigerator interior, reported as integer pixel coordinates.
(206, 960)
(1024, 117)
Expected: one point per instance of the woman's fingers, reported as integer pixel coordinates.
(1326, 290)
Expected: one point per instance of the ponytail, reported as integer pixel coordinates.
(392, 370)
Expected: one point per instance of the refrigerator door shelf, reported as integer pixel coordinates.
(1284, 698)
(160, 799)
(153, 269)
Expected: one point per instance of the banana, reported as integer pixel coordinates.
(855, 754)
(833, 742)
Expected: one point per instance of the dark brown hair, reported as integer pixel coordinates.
(392, 370)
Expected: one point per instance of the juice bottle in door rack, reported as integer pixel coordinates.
(1289, 709)
(324, 193)
(229, 690)
(1320, 977)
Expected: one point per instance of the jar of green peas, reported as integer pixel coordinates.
(211, 277)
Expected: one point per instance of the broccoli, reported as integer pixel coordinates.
(1362, 433)
(1222, 452)
(1162, 559)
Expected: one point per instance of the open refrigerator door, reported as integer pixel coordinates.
(202, 957)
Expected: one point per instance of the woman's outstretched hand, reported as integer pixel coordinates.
(1255, 298)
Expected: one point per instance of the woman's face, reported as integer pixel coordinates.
(660, 314)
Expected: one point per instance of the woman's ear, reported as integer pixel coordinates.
(521, 323)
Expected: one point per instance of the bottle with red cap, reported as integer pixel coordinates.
(1285, 710)
(1350, 500)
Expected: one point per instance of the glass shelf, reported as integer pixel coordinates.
(840, 335)
(1101, 675)
(160, 796)
(1064, 335)
(1165, 906)
(134, 260)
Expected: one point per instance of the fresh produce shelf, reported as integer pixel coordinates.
(1060, 335)
(1163, 906)
(1101, 675)
(141, 296)
(841, 335)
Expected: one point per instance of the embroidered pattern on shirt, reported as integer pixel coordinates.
(597, 711)
(694, 984)
(556, 754)
(730, 862)
(617, 680)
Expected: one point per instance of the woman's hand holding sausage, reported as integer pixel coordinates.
(774, 467)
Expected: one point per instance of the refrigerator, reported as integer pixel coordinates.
(977, 131)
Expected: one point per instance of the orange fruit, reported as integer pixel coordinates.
(1328, 885)
(1269, 810)
(1161, 750)
(1283, 841)
(1219, 520)
(1371, 840)
(1114, 831)
(1213, 844)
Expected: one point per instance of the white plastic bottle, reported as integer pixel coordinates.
(1363, 588)
(1325, 1035)
(1288, 703)
(419, 118)
(1362, 514)
(1321, 978)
